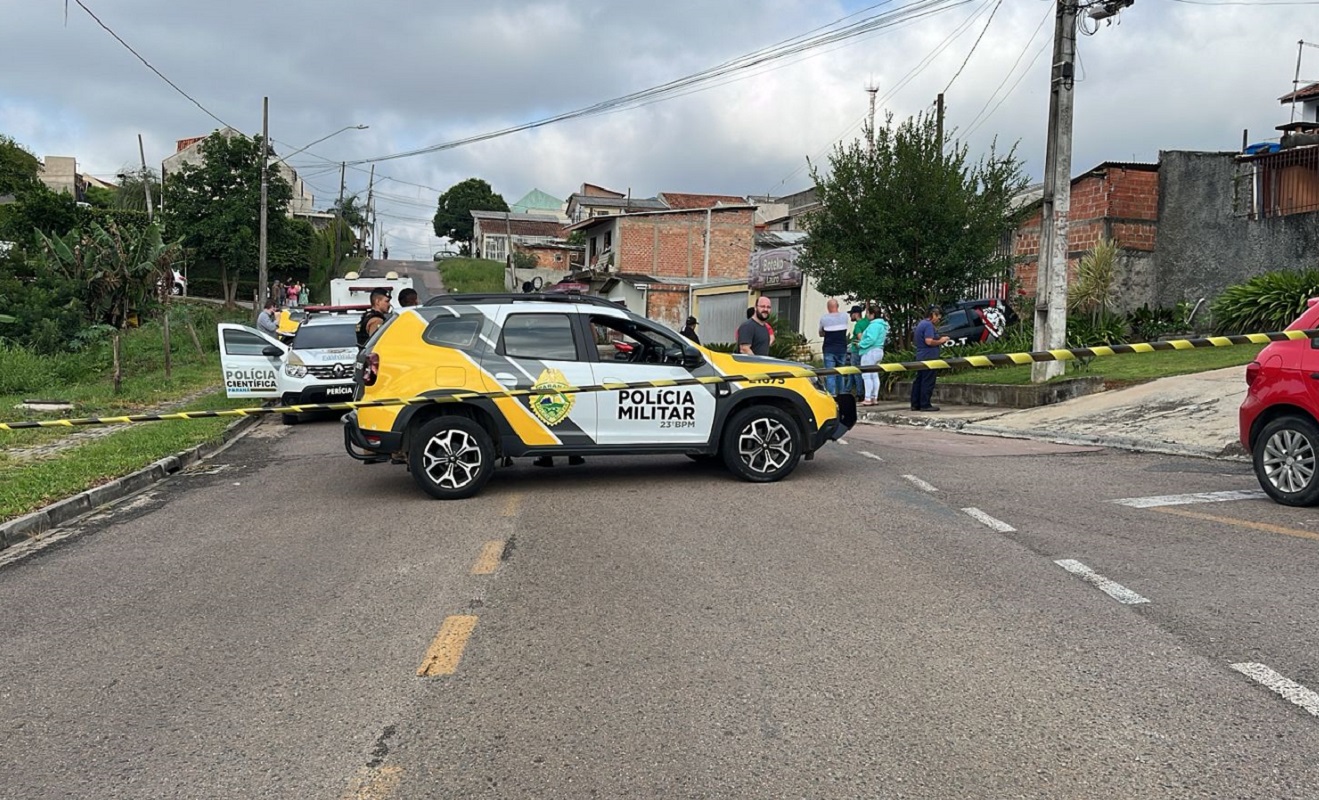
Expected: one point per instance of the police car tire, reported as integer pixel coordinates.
(459, 436)
(290, 419)
(745, 438)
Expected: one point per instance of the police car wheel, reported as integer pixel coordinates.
(451, 457)
(290, 419)
(761, 444)
(1286, 460)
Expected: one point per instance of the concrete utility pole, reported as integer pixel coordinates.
(873, 89)
(1051, 269)
(367, 232)
(146, 179)
(262, 279)
(938, 116)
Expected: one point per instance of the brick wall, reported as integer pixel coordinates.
(673, 245)
(667, 303)
(1116, 203)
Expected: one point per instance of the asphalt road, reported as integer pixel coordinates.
(654, 628)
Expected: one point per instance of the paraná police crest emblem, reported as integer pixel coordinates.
(552, 407)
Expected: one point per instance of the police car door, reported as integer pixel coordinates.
(250, 361)
(544, 351)
(631, 351)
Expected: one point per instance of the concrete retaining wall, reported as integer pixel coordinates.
(1002, 396)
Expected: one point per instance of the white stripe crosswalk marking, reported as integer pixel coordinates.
(920, 484)
(984, 519)
(1284, 687)
(1116, 591)
(1188, 499)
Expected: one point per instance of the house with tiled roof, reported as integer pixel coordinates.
(494, 231)
(687, 200)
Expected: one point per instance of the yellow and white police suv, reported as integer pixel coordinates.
(541, 343)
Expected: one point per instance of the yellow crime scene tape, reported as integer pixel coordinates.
(984, 361)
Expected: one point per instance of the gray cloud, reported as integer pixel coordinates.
(1170, 76)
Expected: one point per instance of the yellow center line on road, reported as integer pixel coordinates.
(373, 783)
(511, 506)
(491, 555)
(447, 650)
(1240, 523)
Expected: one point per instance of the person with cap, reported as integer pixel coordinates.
(690, 330)
(833, 330)
(859, 322)
(928, 342)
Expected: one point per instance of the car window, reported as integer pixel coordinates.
(957, 319)
(544, 336)
(243, 343)
(316, 337)
(459, 332)
(625, 339)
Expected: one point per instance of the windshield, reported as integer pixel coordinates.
(317, 337)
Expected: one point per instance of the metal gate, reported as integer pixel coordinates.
(720, 315)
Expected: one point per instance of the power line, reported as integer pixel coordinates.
(973, 47)
(130, 49)
(915, 10)
(974, 123)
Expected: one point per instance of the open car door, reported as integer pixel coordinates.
(250, 360)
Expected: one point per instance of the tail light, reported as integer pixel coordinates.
(1252, 372)
(371, 370)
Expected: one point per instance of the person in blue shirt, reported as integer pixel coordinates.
(928, 342)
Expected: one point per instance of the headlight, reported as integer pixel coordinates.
(295, 368)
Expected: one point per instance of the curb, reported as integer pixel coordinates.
(31, 525)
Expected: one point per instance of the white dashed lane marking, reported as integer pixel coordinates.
(920, 484)
(868, 454)
(984, 519)
(1116, 591)
(1286, 688)
(1188, 499)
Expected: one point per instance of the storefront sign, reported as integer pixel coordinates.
(774, 269)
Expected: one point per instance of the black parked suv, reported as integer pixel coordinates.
(975, 321)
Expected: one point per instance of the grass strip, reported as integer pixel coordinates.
(1134, 368)
(25, 487)
(460, 275)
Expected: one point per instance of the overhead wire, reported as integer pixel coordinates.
(966, 60)
(980, 116)
(794, 46)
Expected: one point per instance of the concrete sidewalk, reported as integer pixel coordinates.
(1192, 415)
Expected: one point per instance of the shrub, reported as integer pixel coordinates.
(1268, 302)
(1088, 330)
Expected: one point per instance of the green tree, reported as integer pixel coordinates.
(453, 220)
(18, 167)
(117, 269)
(215, 206)
(908, 222)
(350, 211)
(38, 210)
(131, 195)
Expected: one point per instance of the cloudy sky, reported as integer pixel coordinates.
(1164, 75)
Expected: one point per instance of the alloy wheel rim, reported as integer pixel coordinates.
(765, 445)
(1289, 461)
(452, 459)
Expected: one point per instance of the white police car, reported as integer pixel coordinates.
(315, 367)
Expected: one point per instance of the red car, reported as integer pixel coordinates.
(1278, 417)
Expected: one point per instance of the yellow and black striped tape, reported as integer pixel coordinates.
(992, 360)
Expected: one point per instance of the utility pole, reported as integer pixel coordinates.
(1051, 269)
(146, 179)
(873, 89)
(366, 215)
(938, 115)
(342, 166)
(262, 279)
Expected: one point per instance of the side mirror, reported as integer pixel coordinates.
(271, 351)
(691, 358)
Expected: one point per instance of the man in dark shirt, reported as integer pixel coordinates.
(753, 336)
(928, 342)
(690, 330)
